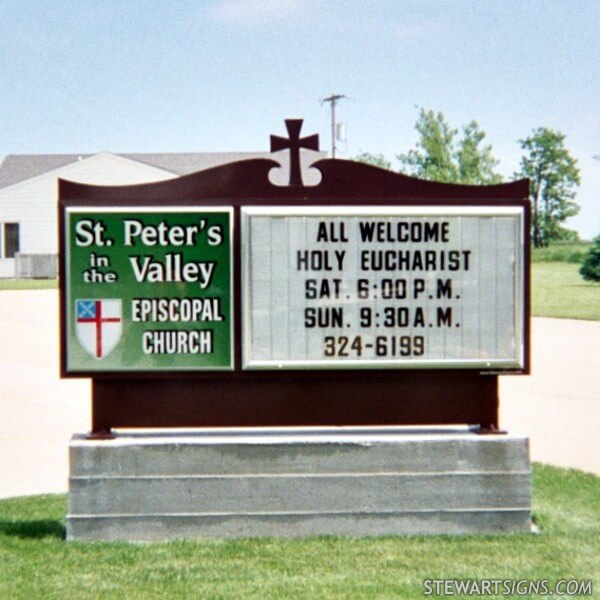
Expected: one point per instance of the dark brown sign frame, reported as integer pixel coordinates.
(300, 398)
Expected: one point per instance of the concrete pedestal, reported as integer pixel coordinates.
(344, 481)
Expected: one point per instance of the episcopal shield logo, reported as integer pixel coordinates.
(98, 325)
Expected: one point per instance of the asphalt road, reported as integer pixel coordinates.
(558, 406)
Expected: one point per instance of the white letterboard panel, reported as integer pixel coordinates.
(382, 287)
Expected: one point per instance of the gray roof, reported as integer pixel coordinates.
(184, 163)
(19, 167)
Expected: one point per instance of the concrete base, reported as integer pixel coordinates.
(339, 481)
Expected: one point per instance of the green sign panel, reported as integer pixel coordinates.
(149, 289)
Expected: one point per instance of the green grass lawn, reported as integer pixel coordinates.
(566, 252)
(559, 291)
(36, 562)
(28, 284)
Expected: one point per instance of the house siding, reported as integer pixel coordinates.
(34, 203)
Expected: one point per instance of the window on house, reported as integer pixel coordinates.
(11, 239)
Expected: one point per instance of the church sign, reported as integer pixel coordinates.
(148, 289)
(222, 299)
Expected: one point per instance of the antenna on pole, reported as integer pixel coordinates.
(333, 101)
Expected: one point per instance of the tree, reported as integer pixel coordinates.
(432, 158)
(590, 267)
(475, 164)
(441, 156)
(554, 177)
(377, 160)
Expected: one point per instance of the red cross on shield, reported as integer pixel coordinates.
(98, 324)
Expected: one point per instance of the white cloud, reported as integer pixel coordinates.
(419, 30)
(325, 17)
(376, 26)
(256, 12)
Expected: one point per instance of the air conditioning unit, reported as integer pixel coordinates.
(36, 266)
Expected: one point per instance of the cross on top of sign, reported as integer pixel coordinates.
(294, 143)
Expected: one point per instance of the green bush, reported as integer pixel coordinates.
(590, 268)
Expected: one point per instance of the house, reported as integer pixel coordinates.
(28, 195)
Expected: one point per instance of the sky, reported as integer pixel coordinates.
(221, 75)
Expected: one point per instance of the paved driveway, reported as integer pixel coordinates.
(558, 406)
(38, 411)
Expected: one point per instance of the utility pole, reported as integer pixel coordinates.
(333, 100)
